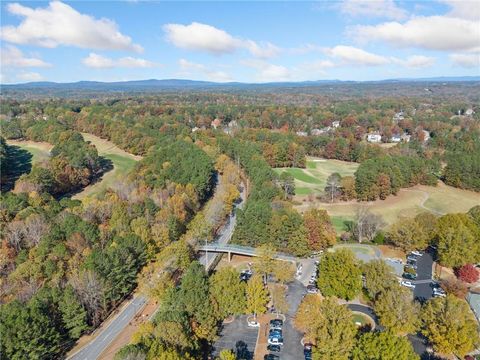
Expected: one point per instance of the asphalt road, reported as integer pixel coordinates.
(423, 291)
(225, 233)
(95, 347)
(100, 343)
(292, 349)
(237, 336)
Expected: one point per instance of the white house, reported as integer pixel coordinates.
(374, 138)
(426, 135)
(396, 138)
(317, 132)
(335, 124)
(301, 133)
(469, 112)
(405, 137)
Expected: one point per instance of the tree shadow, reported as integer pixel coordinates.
(19, 162)
(242, 351)
(106, 165)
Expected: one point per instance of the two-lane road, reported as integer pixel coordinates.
(110, 332)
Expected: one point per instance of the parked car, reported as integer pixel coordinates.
(416, 253)
(274, 348)
(409, 276)
(307, 351)
(275, 341)
(438, 291)
(275, 333)
(407, 284)
(312, 289)
(276, 325)
(411, 266)
(271, 357)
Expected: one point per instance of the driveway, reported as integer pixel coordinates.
(423, 291)
(237, 336)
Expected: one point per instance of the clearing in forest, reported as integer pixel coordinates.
(122, 161)
(40, 150)
(313, 179)
(439, 200)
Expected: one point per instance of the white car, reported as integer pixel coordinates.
(275, 341)
(416, 253)
(407, 284)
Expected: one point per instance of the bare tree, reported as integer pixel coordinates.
(15, 234)
(35, 227)
(89, 289)
(333, 186)
(366, 224)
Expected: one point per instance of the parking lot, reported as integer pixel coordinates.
(423, 290)
(239, 337)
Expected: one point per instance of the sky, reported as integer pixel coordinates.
(222, 41)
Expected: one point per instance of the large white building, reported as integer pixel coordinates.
(374, 138)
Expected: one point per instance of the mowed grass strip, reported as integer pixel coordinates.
(40, 150)
(122, 161)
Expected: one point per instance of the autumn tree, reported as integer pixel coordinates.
(397, 311)
(340, 275)
(257, 296)
(412, 233)
(456, 238)
(378, 277)
(320, 231)
(228, 292)
(450, 326)
(335, 332)
(467, 273)
(383, 346)
(347, 186)
(284, 271)
(308, 313)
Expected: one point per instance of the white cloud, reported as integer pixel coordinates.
(466, 60)
(189, 68)
(464, 9)
(207, 38)
(268, 72)
(318, 66)
(432, 33)
(60, 24)
(415, 61)
(101, 62)
(373, 8)
(30, 76)
(349, 55)
(12, 56)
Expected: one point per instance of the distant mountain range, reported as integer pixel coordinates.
(194, 84)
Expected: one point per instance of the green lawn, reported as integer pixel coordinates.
(339, 223)
(313, 179)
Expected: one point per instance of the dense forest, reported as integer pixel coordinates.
(65, 264)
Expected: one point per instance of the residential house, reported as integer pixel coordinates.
(317, 132)
(405, 137)
(374, 138)
(469, 112)
(396, 138)
(335, 124)
(216, 123)
(301, 133)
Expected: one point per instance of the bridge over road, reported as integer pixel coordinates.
(241, 250)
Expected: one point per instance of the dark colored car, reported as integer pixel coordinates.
(409, 276)
(274, 348)
(276, 322)
(271, 357)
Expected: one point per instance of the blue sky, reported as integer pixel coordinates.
(238, 41)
